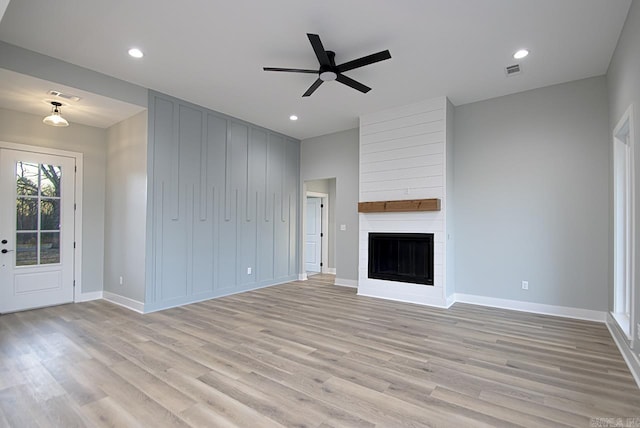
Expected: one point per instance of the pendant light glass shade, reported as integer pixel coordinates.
(54, 119)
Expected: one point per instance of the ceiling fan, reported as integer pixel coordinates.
(329, 71)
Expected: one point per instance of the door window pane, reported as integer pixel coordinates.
(49, 248)
(38, 207)
(50, 214)
(27, 178)
(27, 214)
(50, 180)
(26, 254)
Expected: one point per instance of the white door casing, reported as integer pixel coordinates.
(37, 193)
(624, 223)
(313, 237)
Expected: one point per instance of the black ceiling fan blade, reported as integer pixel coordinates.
(313, 87)
(353, 83)
(321, 53)
(290, 70)
(365, 60)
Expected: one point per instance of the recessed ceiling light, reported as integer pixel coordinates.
(521, 54)
(293, 117)
(136, 53)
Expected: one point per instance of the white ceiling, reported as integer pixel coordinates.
(30, 95)
(211, 52)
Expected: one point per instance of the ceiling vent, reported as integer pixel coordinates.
(512, 70)
(64, 96)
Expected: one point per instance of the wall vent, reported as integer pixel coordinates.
(63, 95)
(512, 70)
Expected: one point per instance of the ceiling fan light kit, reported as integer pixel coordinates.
(329, 71)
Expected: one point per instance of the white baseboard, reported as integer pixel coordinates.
(87, 297)
(126, 302)
(330, 271)
(346, 282)
(632, 360)
(536, 308)
(302, 276)
(450, 300)
(432, 303)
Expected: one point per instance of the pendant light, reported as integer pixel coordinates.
(54, 119)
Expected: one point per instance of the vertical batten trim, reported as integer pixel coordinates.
(289, 238)
(256, 269)
(273, 249)
(159, 260)
(238, 236)
(266, 180)
(152, 191)
(215, 239)
(248, 181)
(204, 166)
(227, 174)
(191, 218)
(174, 197)
(282, 179)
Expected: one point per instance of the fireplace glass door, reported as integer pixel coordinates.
(401, 257)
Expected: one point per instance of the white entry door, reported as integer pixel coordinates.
(37, 193)
(313, 246)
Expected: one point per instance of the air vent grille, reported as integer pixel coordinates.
(64, 96)
(514, 69)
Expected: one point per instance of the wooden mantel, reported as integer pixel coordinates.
(399, 206)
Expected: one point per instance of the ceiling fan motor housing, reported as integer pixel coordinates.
(329, 71)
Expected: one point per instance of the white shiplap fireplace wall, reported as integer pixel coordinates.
(405, 153)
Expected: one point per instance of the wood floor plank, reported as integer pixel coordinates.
(307, 354)
(81, 390)
(20, 409)
(164, 394)
(495, 410)
(107, 412)
(225, 407)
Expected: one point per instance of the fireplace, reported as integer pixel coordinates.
(401, 257)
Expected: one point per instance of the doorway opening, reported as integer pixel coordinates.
(314, 233)
(318, 226)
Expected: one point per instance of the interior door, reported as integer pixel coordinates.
(313, 243)
(37, 197)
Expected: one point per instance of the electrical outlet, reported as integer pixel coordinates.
(121, 281)
(248, 271)
(525, 285)
(343, 227)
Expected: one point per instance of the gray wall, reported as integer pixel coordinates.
(327, 186)
(23, 128)
(44, 67)
(320, 186)
(223, 196)
(531, 196)
(624, 89)
(126, 207)
(336, 156)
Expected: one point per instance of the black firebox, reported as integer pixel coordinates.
(402, 257)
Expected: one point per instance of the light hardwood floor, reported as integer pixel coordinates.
(307, 354)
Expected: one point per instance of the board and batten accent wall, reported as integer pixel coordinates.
(223, 204)
(403, 155)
